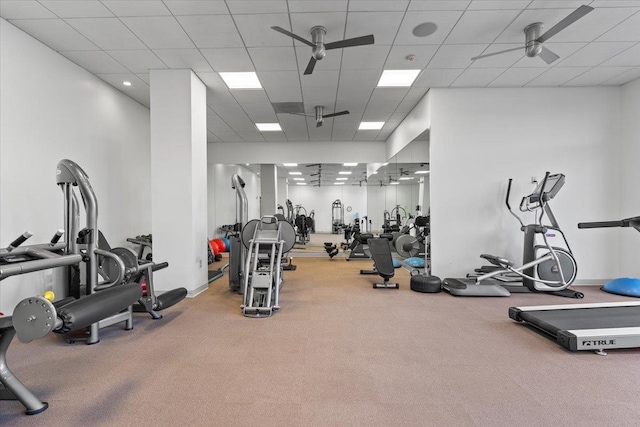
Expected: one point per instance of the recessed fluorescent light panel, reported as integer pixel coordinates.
(241, 80)
(344, 173)
(406, 178)
(295, 173)
(301, 183)
(394, 183)
(341, 179)
(338, 183)
(349, 164)
(298, 179)
(398, 78)
(126, 83)
(421, 172)
(370, 125)
(290, 164)
(268, 127)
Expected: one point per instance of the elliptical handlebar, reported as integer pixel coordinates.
(506, 201)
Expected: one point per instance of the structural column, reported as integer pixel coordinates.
(179, 179)
(268, 189)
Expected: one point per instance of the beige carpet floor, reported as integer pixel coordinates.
(339, 353)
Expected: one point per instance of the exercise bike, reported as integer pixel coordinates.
(546, 268)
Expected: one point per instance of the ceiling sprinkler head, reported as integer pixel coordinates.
(410, 58)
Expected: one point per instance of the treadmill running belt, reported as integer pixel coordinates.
(584, 318)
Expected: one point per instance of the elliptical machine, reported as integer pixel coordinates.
(545, 268)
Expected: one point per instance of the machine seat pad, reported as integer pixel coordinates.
(381, 255)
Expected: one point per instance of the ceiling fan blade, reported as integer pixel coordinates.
(496, 53)
(295, 36)
(570, 19)
(310, 65)
(339, 113)
(319, 123)
(356, 41)
(547, 56)
(301, 114)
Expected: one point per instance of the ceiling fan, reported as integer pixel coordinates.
(533, 40)
(320, 116)
(319, 47)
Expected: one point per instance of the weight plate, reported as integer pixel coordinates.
(33, 318)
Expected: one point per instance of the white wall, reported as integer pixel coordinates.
(222, 198)
(630, 178)
(320, 200)
(51, 109)
(482, 137)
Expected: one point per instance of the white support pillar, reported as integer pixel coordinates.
(268, 189)
(179, 179)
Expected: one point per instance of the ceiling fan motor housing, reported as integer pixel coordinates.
(532, 46)
(317, 37)
(319, 111)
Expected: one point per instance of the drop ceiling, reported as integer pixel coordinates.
(121, 40)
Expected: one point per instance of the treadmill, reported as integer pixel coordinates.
(596, 327)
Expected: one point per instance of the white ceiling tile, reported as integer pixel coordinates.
(597, 76)
(220, 99)
(215, 124)
(563, 50)
(406, 106)
(330, 62)
(211, 137)
(279, 79)
(477, 77)
(241, 123)
(274, 136)
(504, 60)
(594, 54)
(627, 30)
(378, 5)
(624, 77)
(383, 25)
(260, 112)
(359, 80)
(137, 7)
(263, 116)
(137, 61)
(250, 136)
(145, 77)
(439, 5)
(242, 7)
(628, 58)
(107, 33)
(416, 93)
(77, 9)
(256, 29)
(343, 135)
(229, 137)
(379, 110)
(196, 7)
(273, 58)
(160, 32)
(445, 21)
(365, 57)
(397, 59)
(333, 22)
(183, 58)
(437, 77)
(456, 56)
(615, 3)
(228, 59)
(228, 112)
(55, 33)
(557, 76)
(388, 94)
(211, 31)
(94, 61)
(321, 78)
(292, 93)
(351, 104)
(516, 77)
(24, 9)
(251, 96)
(480, 26)
(366, 135)
(115, 80)
(499, 4)
(557, 4)
(296, 6)
(141, 96)
(315, 96)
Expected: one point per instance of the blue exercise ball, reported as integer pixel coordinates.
(226, 244)
(415, 262)
(626, 286)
